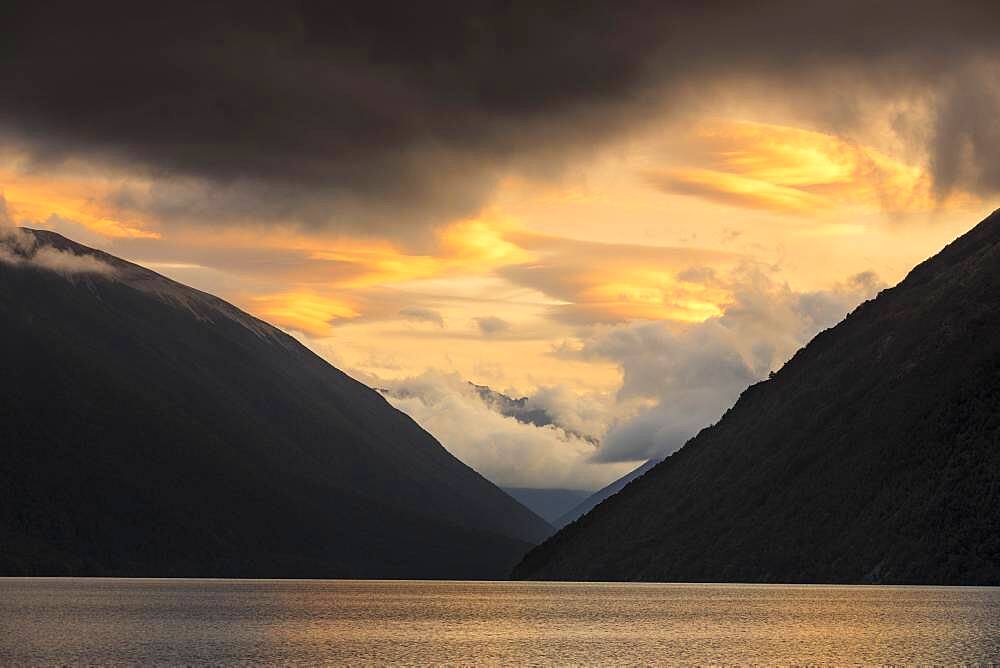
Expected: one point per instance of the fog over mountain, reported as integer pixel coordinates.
(150, 429)
(870, 457)
(539, 441)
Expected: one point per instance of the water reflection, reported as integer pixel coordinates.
(78, 621)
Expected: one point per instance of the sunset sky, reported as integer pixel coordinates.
(626, 215)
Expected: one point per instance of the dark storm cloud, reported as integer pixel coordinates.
(404, 113)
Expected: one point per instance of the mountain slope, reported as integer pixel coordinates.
(151, 429)
(549, 504)
(873, 455)
(589, 503)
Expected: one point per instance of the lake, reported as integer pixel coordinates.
(197, 622)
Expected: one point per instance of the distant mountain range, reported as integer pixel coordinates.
(549, 503)
(519, 409)
(149, 429)
(592, 500)
(872, 456)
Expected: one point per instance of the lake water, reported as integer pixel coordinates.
(226, 622)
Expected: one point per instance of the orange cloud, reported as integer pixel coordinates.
(308, 312)
(470, 246)
(574, 280)
(599, 282)
(327, 280)
(737, 190)
(35, 198)
(795, 171)
(647, 294)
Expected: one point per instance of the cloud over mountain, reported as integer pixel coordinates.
(18, 247)
(507, 449)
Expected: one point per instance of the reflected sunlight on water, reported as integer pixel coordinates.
(111, 621)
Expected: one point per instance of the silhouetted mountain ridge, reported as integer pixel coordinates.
(152, 429)
(872, 456)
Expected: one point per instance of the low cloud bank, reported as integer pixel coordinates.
(506, 450)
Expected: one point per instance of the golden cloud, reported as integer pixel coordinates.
(36, 198)
(601, 282)
(311, 280)
(795, 171)
(470, 246)
(328, 280)
(308, 312)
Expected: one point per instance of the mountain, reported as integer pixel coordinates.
(591, 501)
(549, 504)
(872, 456)
(523, 410)
(519, 409)
(149, 429)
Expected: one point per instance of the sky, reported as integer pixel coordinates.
(624, 212)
